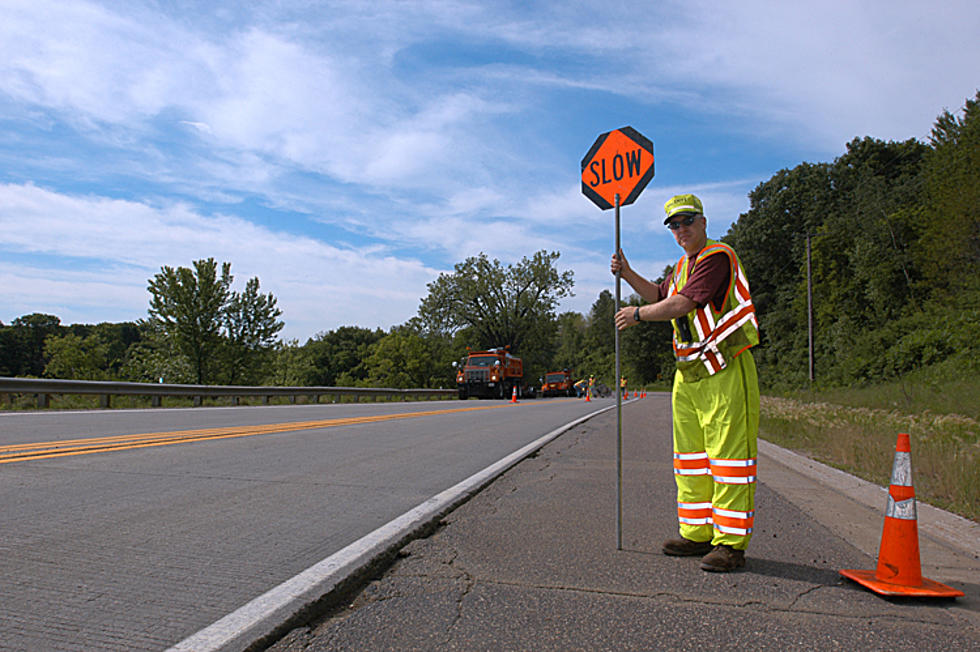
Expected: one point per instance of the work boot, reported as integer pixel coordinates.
(723, 559)
(685, 547)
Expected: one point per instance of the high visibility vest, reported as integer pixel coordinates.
(705, 339)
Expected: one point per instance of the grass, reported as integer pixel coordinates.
(855, 430)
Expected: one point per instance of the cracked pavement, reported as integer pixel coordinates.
(531, 563)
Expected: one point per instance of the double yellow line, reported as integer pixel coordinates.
(69, 447)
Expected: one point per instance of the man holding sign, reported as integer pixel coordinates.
(715, 397)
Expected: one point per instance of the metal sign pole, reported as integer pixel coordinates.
(619, 407)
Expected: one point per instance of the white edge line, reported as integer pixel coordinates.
(259, 618)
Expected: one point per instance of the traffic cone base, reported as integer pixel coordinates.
(899, 572)
(513, 395)
(928, 588)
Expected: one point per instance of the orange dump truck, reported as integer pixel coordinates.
(490, 374)
(558, 383)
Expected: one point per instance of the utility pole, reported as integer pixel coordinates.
(809, 305)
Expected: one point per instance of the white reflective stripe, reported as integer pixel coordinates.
(684, 209)
(902, 469)
(726, 462)
(691, 456)
(704, 471)
(903, 509)
(733, 513)
(734, 326)
(724, 479)
(694, 505)
(733, 530)
(695, 521)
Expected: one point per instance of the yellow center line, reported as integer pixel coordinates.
(69, 447)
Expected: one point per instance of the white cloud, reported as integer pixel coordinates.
(121, 244)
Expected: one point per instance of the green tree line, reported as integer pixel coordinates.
(894, 233)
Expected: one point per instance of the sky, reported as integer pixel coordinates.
(348, 153)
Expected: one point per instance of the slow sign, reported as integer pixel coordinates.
(620, 162)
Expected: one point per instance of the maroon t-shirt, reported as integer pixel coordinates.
(706, 281)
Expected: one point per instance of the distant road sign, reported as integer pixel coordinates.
(619, 162)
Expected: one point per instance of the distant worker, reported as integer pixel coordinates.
(591, 388)
(715, 399)
(580, 388)
(622, 386)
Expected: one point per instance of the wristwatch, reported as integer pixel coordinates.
(636, 315)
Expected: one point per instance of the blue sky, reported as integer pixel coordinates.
(347, 153)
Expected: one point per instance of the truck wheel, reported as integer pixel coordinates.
(462, 395)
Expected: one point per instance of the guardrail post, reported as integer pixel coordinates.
(198, 400)
(156, 401)
(105, 401)
(43, 401)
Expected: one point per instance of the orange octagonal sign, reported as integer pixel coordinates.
(620, 163)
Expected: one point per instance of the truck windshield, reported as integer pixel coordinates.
(554, 378)
(481, 361)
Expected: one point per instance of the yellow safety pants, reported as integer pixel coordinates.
(716, 424)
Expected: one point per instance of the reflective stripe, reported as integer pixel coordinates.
(694, 513)
(903, 509)
(733, 530)
(732, 521)
(734, 471)
(902, 469)
(691, 464)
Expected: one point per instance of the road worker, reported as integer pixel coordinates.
(715, 398)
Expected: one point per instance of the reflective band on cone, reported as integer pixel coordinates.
(899, 572)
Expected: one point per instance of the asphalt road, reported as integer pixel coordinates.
(127, 535)
(531, 563)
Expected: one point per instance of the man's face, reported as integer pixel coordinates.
(689, 231)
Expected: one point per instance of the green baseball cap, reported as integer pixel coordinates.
(682, 205)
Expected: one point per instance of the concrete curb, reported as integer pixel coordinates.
(953, 529)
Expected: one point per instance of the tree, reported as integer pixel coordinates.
(72, 357)
(501, 306)
(341, 354)
(153, 358)
(949, 249)
(292, 365)
(25, 347)
(251, 323)
(190, 304)
(405, 359)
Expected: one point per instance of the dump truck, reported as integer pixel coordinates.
(493, 373)
(558, 383)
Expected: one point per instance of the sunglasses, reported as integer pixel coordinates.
(687, 221)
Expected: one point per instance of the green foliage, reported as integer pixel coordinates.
(226, 336)
(154, 358)
(501, 306)
(339, 355)
(189, 303)
(251, 322)
(72, 357)
(895, 238)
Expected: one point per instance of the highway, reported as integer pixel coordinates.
(133, 529)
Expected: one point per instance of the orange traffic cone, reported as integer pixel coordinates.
(588, 395)
(634, 393)
(513, 395)
(899, 572)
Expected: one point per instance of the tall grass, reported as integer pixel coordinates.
(860, 439)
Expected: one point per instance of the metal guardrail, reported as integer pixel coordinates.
(44, 388)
